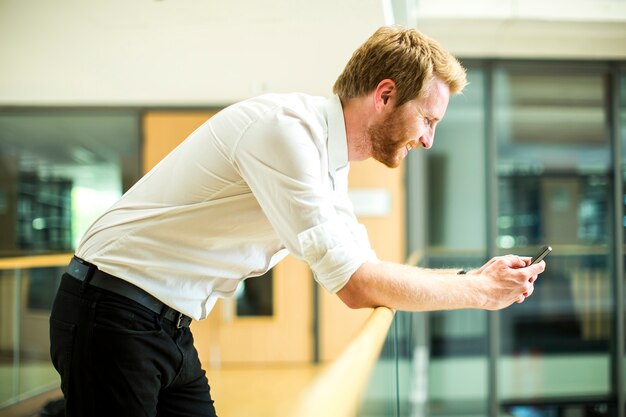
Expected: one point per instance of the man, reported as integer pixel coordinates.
(261, 178)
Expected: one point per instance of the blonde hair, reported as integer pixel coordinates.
(403, 55)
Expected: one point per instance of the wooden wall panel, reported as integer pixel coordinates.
(339, 324)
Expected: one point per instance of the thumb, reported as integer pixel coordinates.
(482, 268)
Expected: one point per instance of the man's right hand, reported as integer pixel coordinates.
(507, 279)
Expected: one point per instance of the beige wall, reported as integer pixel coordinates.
(181, 52)
(561, 29)
(211, 53)
(529, 39)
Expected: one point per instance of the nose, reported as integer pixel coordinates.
(427, 139)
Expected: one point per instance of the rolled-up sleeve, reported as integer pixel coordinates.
(332, 253)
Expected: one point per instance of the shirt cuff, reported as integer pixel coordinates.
(334, 252)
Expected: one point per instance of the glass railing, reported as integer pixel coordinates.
(549, 356)
(393, 388)
(407, 364)
(338, 391)
(27, 289)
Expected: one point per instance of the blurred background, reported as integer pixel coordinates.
(94, 93)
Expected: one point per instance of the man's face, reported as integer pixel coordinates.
(409, 126)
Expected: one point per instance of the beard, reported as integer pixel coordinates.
(387, 138)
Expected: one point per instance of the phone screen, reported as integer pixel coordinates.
(541, 254)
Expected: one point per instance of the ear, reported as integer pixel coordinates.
(385, 94)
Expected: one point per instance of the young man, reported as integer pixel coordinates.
(261, 178)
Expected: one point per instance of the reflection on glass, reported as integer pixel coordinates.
(554, 187)
(25, 300)
(588, 409)
(51, 164)
(381, 396)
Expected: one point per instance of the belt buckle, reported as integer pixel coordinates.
(179, 320)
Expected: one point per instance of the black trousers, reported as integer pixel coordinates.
(118, 358)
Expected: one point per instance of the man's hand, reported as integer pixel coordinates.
(507, 279)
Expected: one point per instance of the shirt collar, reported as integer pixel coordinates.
(337, 140)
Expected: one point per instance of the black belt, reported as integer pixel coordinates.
(82, 270)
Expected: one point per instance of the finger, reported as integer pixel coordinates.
(514, 261)
(531, 273)
(537, 268)
(489, 262)
(507, 261)
(520, 299)
(526, 259)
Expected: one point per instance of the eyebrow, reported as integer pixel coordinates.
(427, 115)
(431, 117)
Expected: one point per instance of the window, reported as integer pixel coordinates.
(50, 160)
(525, 158)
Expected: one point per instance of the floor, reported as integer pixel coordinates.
(35, 377)
(262, 391)
(30, 407)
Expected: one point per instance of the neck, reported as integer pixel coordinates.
(356, 112)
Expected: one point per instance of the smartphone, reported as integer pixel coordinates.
(542, 254)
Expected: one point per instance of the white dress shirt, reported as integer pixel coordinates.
(259, 179)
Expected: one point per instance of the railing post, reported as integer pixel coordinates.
(618, 349)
